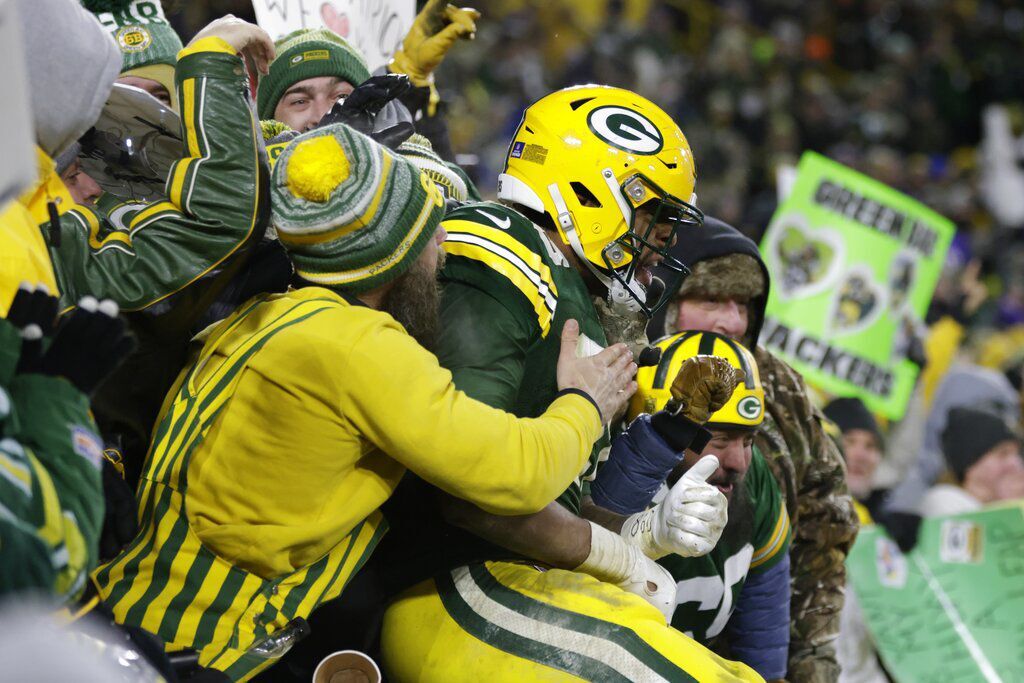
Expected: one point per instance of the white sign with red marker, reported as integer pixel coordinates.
(375, 27)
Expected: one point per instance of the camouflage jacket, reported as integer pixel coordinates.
(809, 468)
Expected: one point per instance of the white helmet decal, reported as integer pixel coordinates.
(626, 129)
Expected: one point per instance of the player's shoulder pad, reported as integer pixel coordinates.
(497, 249)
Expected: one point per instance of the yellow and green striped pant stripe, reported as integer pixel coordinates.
(502, 621)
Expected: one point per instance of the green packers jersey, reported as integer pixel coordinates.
(508, 290)
(755, 539)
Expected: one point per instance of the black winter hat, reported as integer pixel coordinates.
(969, 435)
(851, 413)
(723, 263)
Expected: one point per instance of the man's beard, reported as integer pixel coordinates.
(414, 301)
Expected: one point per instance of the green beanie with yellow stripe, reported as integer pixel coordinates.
(308, 53)
(352, 214)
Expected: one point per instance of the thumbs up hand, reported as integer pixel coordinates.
(688, 522)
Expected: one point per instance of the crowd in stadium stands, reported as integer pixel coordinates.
(429, 372)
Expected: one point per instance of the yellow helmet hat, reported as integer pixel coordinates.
(588, 157)
(745, 408)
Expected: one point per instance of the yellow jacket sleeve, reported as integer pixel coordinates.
(404, 402)
(23, 255)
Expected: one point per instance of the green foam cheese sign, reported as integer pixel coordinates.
(853, 265)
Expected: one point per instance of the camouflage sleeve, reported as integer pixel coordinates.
(811, 473)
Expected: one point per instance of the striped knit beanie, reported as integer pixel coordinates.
(419, 151)
(308, 53)
(352, 214)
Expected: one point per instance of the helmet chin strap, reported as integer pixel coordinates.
(619, 296)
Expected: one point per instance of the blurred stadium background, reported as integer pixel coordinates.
(898, 90)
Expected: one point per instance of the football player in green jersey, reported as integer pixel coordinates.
(740, 590)
(597, 182)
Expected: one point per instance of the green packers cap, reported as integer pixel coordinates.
(419, 151)
(149, 45)
(352, 214)
(308, 53)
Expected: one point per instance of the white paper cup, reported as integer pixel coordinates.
(347, 666)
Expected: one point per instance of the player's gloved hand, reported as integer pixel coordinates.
(606, 377)
(434, 30)
(33, 312)
(615, 561)
(702, 386)
(89, 343)
(361, 110)
(688, 522)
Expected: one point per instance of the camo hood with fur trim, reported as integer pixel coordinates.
(724, 264)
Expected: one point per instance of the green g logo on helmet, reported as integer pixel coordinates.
(626, 129)
(749, 408)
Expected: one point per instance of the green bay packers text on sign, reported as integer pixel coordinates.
(876, 215)
(836, 362)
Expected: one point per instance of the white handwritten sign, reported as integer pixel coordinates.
(375, 27)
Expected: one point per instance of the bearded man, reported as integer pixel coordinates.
(302, 410)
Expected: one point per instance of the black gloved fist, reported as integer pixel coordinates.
(33, 312)
(120, 521)
(903, 528)
(89, 343)
(361, 109)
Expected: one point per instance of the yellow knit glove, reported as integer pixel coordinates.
(433, 32)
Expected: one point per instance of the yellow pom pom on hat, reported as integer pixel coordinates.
(318, 165)
(352, 214)
(745, 408)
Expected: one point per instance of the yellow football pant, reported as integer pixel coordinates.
(502, 621)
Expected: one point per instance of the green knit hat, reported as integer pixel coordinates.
(140, 30)
(308, 53)
(149, 45)
(352, 214)
(419, 151)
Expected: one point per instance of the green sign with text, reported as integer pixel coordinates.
(853, 265)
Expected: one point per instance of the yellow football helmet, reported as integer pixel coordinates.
(745, 408)
(589, 157)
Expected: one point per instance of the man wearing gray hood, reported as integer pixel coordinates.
(65, 101)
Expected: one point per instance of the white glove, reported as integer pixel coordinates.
(613, 560)
(688, 522)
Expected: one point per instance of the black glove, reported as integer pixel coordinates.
(361, 108)
(89, 343)
(902, 527)
(120, 518)
(33, 312)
